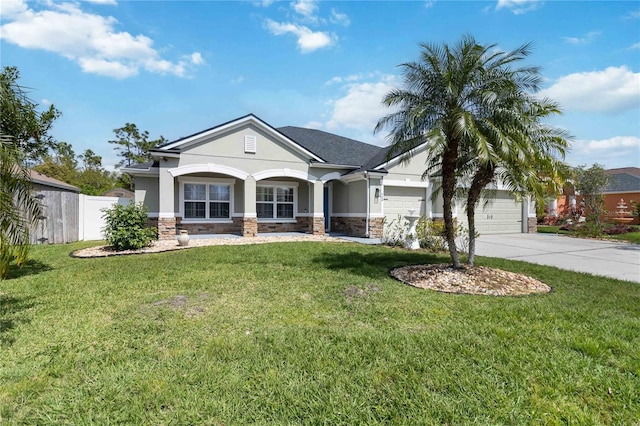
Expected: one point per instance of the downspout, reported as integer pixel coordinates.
(366, 224)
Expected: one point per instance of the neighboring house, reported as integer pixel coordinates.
(245, 177)
(624, 184)
(60, 210)
(119, 192)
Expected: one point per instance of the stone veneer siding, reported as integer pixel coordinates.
(166, 228)
(356, 226)
(316, 225)
(234, 227)
(300, 225)
(532, 225)
(250, 227)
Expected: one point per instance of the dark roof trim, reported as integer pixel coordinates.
(174, 145)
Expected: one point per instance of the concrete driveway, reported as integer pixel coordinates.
(609, 259)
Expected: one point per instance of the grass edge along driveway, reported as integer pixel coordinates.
(307, 333)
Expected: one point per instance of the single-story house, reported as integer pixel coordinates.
(624, 184)
(246, 177)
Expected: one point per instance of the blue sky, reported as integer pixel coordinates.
(177, 67)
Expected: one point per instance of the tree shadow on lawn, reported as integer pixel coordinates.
(10, 315)
(32, 267)
(376, 265)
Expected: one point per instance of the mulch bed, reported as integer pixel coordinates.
(479, 280)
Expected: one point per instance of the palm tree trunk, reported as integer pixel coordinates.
(471, 210)
(448, 192)
(481, 179)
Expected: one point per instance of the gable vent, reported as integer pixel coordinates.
(250, 143)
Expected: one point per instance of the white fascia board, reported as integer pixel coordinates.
(153, 171)
(353, 177)
(159, 154)
(395, 160)
(240, 122)
(406, 183)
(332, 166)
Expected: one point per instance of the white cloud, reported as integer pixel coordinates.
(361, 107)
(46, 102)
(306, 8)
(633, 15)
(617, 142)
(519, 7)
(107, 68)
(340, 18)
(12, 8)
(196, 58)
(428, 4)
(308, 40)
(313, 125)
(263, 3)
(239, 79)
(586, 39)
(90, 40)
(351, 78)
(108, 2)
(635, 46)
(611, 90)
(618, 151)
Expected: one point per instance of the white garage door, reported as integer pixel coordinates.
(501, 215)
(398, 201)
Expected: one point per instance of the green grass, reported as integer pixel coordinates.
(632, 237)
(307, 333)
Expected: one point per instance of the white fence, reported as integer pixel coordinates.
(90, 221)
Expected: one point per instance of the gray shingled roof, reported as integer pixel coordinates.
(332, 148)
(623, 182)
(49, 181)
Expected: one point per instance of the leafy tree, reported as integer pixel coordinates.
(91, 160)
(20, 118)
(474, 112)
(19, 208)
(133, 146)
(591, 183)
(62, 164)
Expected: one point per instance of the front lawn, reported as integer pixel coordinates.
(307, 333)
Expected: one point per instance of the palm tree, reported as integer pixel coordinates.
(446, 102)
(513, 147)
(19, 208)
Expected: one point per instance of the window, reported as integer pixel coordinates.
(275, 202)
(207, 201)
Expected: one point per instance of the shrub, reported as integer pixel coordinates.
(430, 234)
(126, 227)
(619, 229)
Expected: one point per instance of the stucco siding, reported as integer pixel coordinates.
(228, 148)
(413, 170)
(147, 193)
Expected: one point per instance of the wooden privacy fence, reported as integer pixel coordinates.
(59, 220)
(69, 216)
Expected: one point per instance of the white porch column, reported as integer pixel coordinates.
(250, 218)
(316, 219)
(166, 204)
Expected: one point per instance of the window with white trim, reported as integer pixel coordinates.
(275, 202)
(207, 200)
